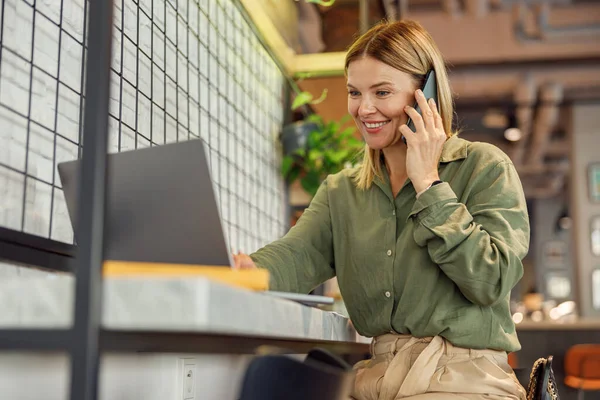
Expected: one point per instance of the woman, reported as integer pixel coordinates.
(426, 238)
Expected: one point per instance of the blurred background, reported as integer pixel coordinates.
(526, 78)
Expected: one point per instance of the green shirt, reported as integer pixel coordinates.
(443, 264)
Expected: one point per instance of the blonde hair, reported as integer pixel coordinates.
(406, 46)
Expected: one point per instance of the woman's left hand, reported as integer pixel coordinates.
(425, 145)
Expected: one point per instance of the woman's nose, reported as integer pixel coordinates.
(366, 108)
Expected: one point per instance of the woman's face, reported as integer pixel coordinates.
(377, 95)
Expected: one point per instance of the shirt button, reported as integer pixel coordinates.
(387, 294)
(394, 212)
(389, 252)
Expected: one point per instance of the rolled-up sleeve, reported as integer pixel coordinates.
(303, 258)
(478, 244)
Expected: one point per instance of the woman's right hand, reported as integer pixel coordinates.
(243, 261)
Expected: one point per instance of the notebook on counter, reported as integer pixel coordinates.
(162, 217)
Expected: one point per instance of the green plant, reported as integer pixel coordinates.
(329, 149)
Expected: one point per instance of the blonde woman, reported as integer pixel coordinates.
(426, 238)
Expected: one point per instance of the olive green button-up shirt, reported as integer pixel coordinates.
(443, 264)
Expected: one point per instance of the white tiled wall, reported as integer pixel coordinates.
(181, 69)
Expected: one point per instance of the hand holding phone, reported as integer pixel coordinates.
(429, 89)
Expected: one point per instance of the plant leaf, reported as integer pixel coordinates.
(314, 155)
(354, 142)
(286, 165)
(311, 182)
(338, 157)
(294, 173)
(314, 118)
(347, 133)
(300, 153)
(320, 99)
(301, 99)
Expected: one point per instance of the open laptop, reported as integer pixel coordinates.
(161, 207)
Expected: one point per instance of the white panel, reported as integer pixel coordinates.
(62, 229)
(158, 125)
(115, 95)
(37, 208)
(68, 113)
(145, 74)
(41, 149)
(171, 129)
(43, 99)
(144, 117)
(45, 53)
(14, 80)
(13, 136)
(18, 23)
(11, 192)
(70, 62)
(129, 60)
(73, 18)
(130, 19)
(128, 106)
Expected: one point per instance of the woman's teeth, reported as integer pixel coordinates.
(376, 125)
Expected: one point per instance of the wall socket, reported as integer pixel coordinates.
(187, 377)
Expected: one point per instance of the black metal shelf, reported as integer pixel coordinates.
(31, 250)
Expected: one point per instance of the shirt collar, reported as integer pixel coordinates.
(454, 149)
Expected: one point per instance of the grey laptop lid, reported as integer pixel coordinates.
(161, 206)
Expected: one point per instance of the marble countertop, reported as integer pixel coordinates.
(189, 304)
(579, 324)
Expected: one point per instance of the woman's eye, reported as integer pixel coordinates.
(382, 93)
(353, 93)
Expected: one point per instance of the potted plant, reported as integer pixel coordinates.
(314, 149)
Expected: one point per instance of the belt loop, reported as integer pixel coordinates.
(373, 347)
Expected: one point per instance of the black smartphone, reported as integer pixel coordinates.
(429, 89)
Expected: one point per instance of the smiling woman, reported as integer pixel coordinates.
(426, 237)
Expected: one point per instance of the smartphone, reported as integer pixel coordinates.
(429, 89)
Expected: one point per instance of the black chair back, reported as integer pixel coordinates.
(322, 376)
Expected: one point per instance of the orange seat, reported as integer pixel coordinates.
(583, 384)
(582, 367)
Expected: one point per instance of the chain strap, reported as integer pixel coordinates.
(531, 388)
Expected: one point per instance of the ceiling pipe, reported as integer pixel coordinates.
(559, 168)
(363, 12)
(402, 9)
(549, 32)
(525, 98)
(553, 188)
(477, 8)
(546, 120)
(543, 29)
(310, 30)
(390, 9)
(453, 8)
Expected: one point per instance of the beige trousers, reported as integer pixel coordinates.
(405, 367)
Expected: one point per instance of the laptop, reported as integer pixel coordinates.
(161, 208)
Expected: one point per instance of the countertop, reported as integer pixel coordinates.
(170, 304)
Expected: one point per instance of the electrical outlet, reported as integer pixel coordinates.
(188, 378)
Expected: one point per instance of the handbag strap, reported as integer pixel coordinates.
(542, 375)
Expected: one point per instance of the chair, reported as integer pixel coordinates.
(582, 368)
(322, 376)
